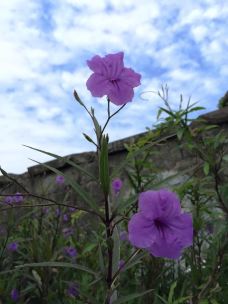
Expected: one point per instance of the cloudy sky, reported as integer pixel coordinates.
(43, 52)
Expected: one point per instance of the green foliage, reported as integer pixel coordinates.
(42, 270)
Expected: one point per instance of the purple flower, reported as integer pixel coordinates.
(65, 218)
(59, 179)
(71, 209)
(121, 264)
(210, 228)
(72, 290)
(71, 251)
(67, 232)
(123, 236)
(15, 294)
(45, 210)
(117, 185)
(111, 78)
(18, 198)
(58, 212)
(12, 246)
(8, 200)
(160, 227)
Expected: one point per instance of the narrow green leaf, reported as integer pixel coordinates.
(137, 152)
(171, 292)
(51, 264)
(101, 258)
(68, 161)
(225, 157)
(37, 277)
(81, 192)
(96, 124)
(78, 98)
(181, 300)
(136, 260)
(196, 109)
(162, 299)
(104, 166)
(206, 168)
(132, 297)
(116, 250)
(88, 138)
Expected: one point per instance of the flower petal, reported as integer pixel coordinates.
(161, 204)
(96, 64)
(114, 65)
(120, 93)
(129, 77)
(182, 227)
(97, 85)
(166, 250)
(141, 231)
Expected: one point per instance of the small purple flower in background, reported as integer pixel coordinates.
(71, 251)
(12, 246)
(72, 290)
(67, 232)
(65, 218)
(123, 236)
(18, 198)
(210, 228)
(45, 210)
(58, 212)
(15, 294)
(117, 185)
(71, 209)
(111, 78)
(60, 180)
(8, 200)
(121, 264)
(160, 227)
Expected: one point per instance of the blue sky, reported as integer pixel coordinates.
(44, 48)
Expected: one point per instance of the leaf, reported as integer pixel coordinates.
(181, 300)
(171, 292)
(132, 297)
(70, 162)
(206, 168)
(162, 299)
(96, 124)
(116, 250)
(57, 264)
(78, 98)
(88, 248)
(81, 192)
(37, 277)
(51, 264)
(88, 138)
(104, 167)
(196, 109)
(137, 152)
(136, 260)
(225, 157)
(101, 259)
(180, 133)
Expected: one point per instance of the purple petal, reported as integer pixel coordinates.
(159, 204)
(182, 228)
(98, 85)
(141, 231)
(96, 64)
(120, 93)
(166, 250)
(130, 77)
(114, 65)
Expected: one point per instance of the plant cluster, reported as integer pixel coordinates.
(150, 241)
